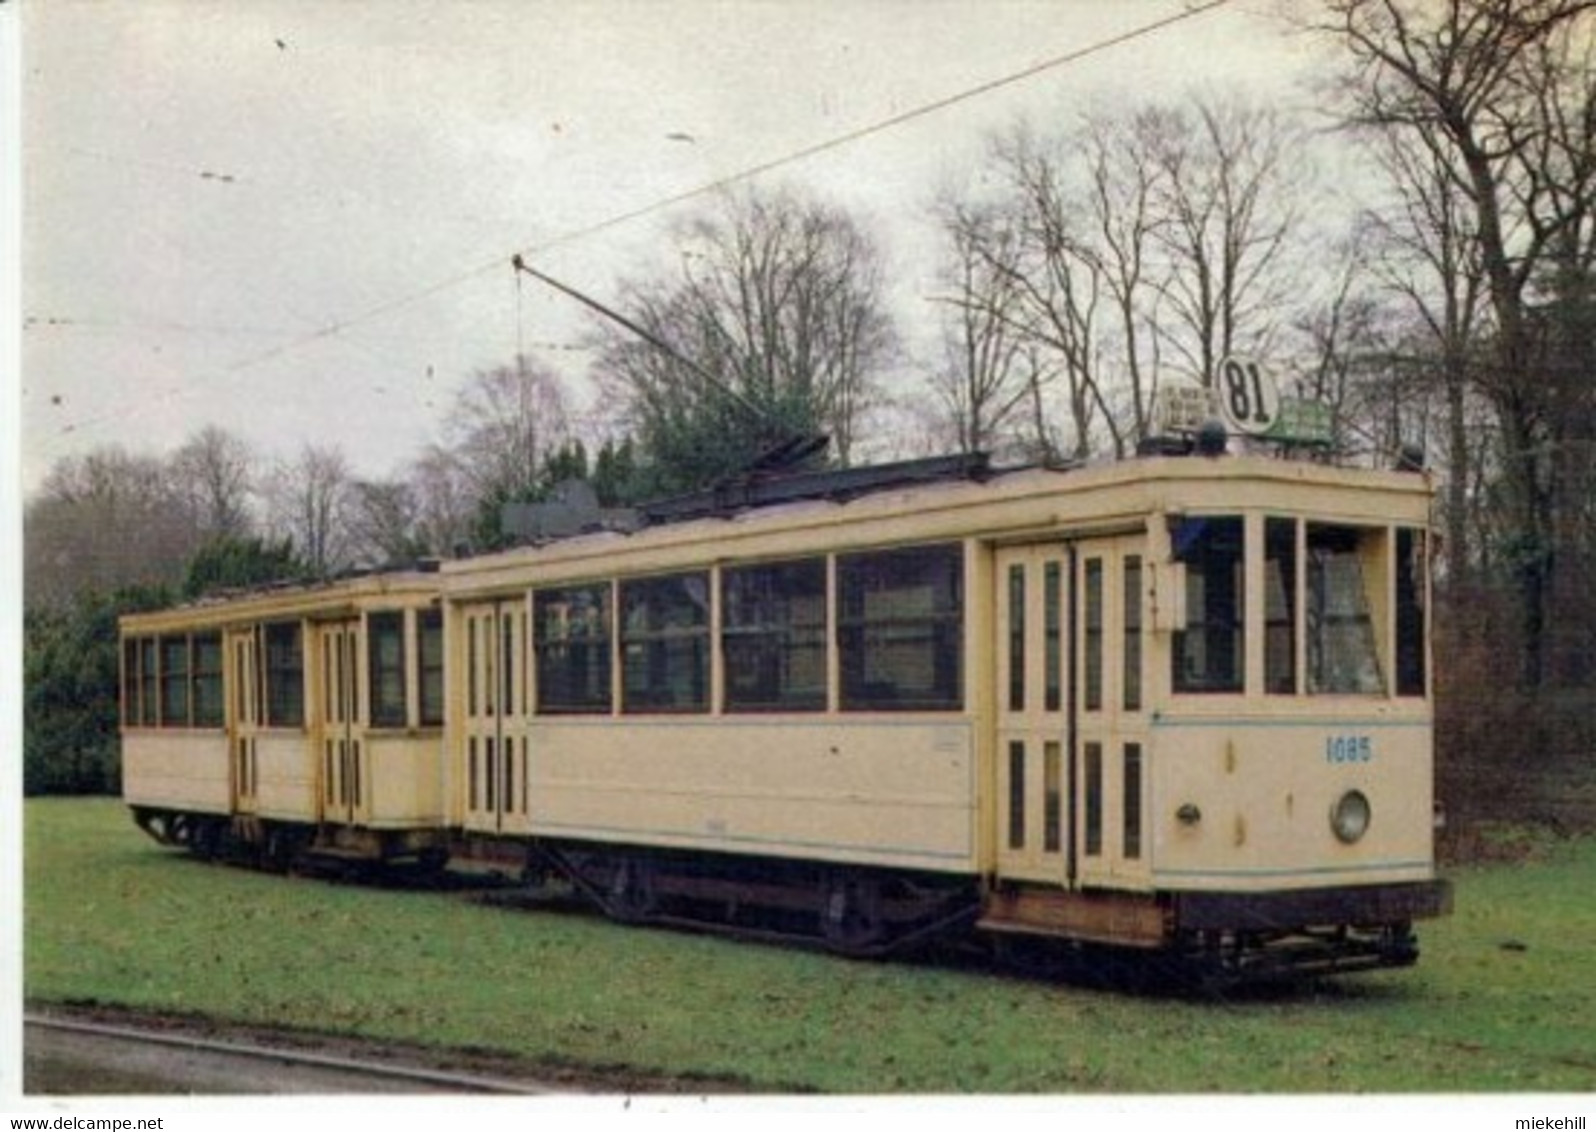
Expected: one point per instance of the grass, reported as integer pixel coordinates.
(1504, 999)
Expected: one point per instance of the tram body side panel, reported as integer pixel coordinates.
(1245, 805)
(895, 793)
(404, 773)
(177, 770)
(286, 786)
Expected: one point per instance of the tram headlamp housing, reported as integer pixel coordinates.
(1349, 817)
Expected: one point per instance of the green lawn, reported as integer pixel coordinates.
(1503, 1000)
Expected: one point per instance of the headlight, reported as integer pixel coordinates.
(1349, 817)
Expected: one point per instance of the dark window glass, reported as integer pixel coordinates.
(136, 710)
(471, 666)
(1094, 635)
(174, 682)
(1052, 797)
(1132, 692)
(1208, 653)
(1342, 656)
(429, 642)
(1411, 570)
(1053, 627)
(1017, 637)
(508, 701)
(209, 707)
(285, 675)
(1093, 788)
(571, 635)
(773, 636)
(1133, 801)
(1016, 794)
(148, 673)
(1280, 606)
(387, 664)
(901, 629)
(665, 644)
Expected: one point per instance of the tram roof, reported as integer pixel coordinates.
(331, 597)
(997, 502)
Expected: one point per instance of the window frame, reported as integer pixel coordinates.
(1201, 614)
(647, 629)
(386, 693)
(597, 650)
(281, 676)
(940, 631)
(767, 643)
(430, 683)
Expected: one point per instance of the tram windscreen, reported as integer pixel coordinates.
(1342, 653)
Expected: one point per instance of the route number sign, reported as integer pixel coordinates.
(1248, 399)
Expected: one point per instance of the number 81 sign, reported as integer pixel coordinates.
(1248, 399)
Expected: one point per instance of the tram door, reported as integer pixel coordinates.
(342, 778)
(244, 718)
(496, 704)
(1033, 602)
(1112, 835)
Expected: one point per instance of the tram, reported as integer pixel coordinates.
(1179, 704)
(296, 719)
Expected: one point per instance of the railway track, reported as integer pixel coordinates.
(68, 1055)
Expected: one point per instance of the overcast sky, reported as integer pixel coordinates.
(295, 219)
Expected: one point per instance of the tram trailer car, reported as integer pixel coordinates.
(302, 720)
(1174, 704)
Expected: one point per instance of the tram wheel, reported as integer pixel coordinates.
(633, 891)
(852, 917)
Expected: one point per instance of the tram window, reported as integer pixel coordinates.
(207, 688)
(130, 683)
(1280, 606)
(1131, 819)
(1053, 631)
(1092, 787)
(1208, 652)
(138, 682)
(773, 636)
(900, 629)
(387, 662)
(1411, 569)
(571, 628)
(1133, 633)
(1017, 637)
(285, 676)
(665, 644)
(174, 682)
(1342, 656)
(148, 674)
(1052, 797)
(429, 643)
(1016, 794)
(1094, 635)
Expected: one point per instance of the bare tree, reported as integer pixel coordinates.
(309, 502)
(1226, 204)
(1499, 93)
(214, 471)
(984, 385)
(778, 309)
(102, 521)
(444, 502)
(382, 522)
(503, 424)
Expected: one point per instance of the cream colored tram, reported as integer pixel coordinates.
(1174, 703)
(290, 721)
